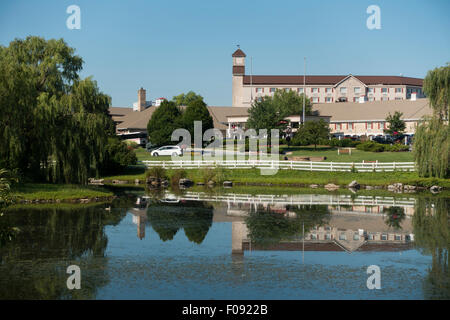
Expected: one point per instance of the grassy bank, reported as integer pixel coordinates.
(40, 191)
(296, 177)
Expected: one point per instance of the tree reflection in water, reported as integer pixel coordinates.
(52, 237)
(267, 227)
(194, 217)
(431, 230)
(394, 217)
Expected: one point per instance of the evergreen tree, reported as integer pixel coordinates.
(396, 125)
(197, 111)
(166, 118)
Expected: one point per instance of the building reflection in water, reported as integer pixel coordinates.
(355, 223)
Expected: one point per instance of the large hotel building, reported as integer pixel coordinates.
(321, 89)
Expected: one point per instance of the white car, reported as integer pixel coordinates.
(167, 151)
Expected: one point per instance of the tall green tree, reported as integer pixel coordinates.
(432, 137)
(264, 114)
(291, 103)
(185, 99)
(396, 125)
(436, 86)
(311, 132)
(197, 111)
(54, 125)
(166, 118)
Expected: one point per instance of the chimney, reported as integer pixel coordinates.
(141, 100)
(413, 96)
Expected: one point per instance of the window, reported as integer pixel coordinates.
(384, 237)
(328, 90)
(371, 90)
(287, 89)
(371, 99)
(384, 99)
(398, 237)
(272, 90)
(313, 236)
(351, 125)
(356, 236)
(328, 100)
(357, 90)
(342, 236)
(315, 99)
(384, 90)
(300, 90)
(398, 90)
(328, 236)
(338, 126)
(371, 236)
(259, 90)
(343, 90)
(315, 90)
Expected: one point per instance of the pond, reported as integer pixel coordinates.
(230, 244)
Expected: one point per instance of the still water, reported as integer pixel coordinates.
(230, 245)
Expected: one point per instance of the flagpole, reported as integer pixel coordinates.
(304, 89)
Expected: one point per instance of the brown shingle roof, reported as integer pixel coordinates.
(220, 114)
(239, 53)
(376, 110)
(330, 80)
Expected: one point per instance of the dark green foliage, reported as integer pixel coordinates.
(396, 125)
(54, 126)
(311, 132)
(373, 146)
(165, 119)
(158, 173)
(197, 111)
(269, 228)
(394, 217)
(118, 157)
(343, 143)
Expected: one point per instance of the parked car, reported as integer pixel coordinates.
(167, 151)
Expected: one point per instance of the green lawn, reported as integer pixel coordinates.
(322, 151)
(41, 191)
(296, 177)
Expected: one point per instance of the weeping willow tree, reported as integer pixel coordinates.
(431, 225)
(54, 125)
(432, 138)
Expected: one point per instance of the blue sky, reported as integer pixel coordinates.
(169, 47)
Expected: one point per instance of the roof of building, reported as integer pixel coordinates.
(375, 110)
(139, 120)
(119, 111)
(239, 53)
(329, 80)
(220, 114)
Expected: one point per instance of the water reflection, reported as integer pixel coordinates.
(183, 224)
(33, 266)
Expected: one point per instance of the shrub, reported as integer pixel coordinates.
(177, 175)
(208, 174)
(131, 144)
(156, 172)
(371, 146)
(117, 157)
(396, 148)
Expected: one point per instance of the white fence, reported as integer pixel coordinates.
(284, 164)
